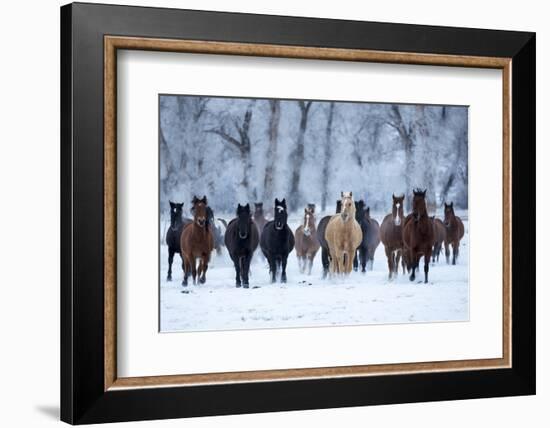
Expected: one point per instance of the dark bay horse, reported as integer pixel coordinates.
(241, 240)
(391, 235)
(307, 243)
(439, 236)
(197, 242)
(173, 234)
(259, 217)
(321, 228)
(454, 232)
(418, 235)
(371, 238)
(277, 241)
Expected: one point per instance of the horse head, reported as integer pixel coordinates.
(243, 220)
(348, 206)
(199, 210)
(311, 207)
(176, 211)
(281, 214)
(397, 209)
(360, 210)
(449, 213)
(419, 204)
(309, 221)
(258, 209)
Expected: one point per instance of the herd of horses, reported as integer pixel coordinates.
(347, 239)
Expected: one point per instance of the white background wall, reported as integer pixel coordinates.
(29, 213)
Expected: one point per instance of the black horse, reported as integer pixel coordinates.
(321, 228)
(361, 252)
(277, 241)
(241, 240)
(173, 234)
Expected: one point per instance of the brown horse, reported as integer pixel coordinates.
(454, 232)
(307, 243)
(343, 235)
(391, 235)
(439, 233)
(197, 242)
(418, 235)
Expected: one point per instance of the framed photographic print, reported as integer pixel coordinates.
(265, 213)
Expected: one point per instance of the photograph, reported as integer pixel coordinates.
(285, 213)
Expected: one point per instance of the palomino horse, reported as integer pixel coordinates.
(241, 240)
(307, 243)
(277, 241)
(439, 236)
(197, 242)
(259, 217)
(321, 229)
(418, 235)
(391, 235)
(454, 232)
(343, 235)
(173, 234)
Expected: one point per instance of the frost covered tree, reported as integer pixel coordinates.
(238, 150)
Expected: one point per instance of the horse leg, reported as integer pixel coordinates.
(186, 270)
(427, 257)
(237, 264)
(203, 268)
(363, 258)
(245, 269)
(389, 256)
(272, 268)
(447, 252)
(194, 269)
(399, 257)
(324, 261)
(455, 252)
(283, 269)
(414, 262)
(170, 260)
(355, 261)
(310, 262)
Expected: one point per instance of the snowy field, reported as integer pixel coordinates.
(307, 301)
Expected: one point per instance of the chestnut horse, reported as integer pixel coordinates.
(307, 243)
(391, 235)
(343, 235)
(197, 242)
(454, 232)
(439, 233)
(418, 235)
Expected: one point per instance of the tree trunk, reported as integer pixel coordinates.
(297, 158)
(273, 135)
(328, 156)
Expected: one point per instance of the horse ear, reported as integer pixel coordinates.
(451, 204)
(424, 192)
(351, 194)
(247, 207)
(171, 204)
(283, 202)
(204, 200)
(276, 201)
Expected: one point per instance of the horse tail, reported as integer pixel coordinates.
(223, 222)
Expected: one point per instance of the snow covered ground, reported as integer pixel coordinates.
(306, 301)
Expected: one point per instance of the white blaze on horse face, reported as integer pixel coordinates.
(306, 225)
(397, 218)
